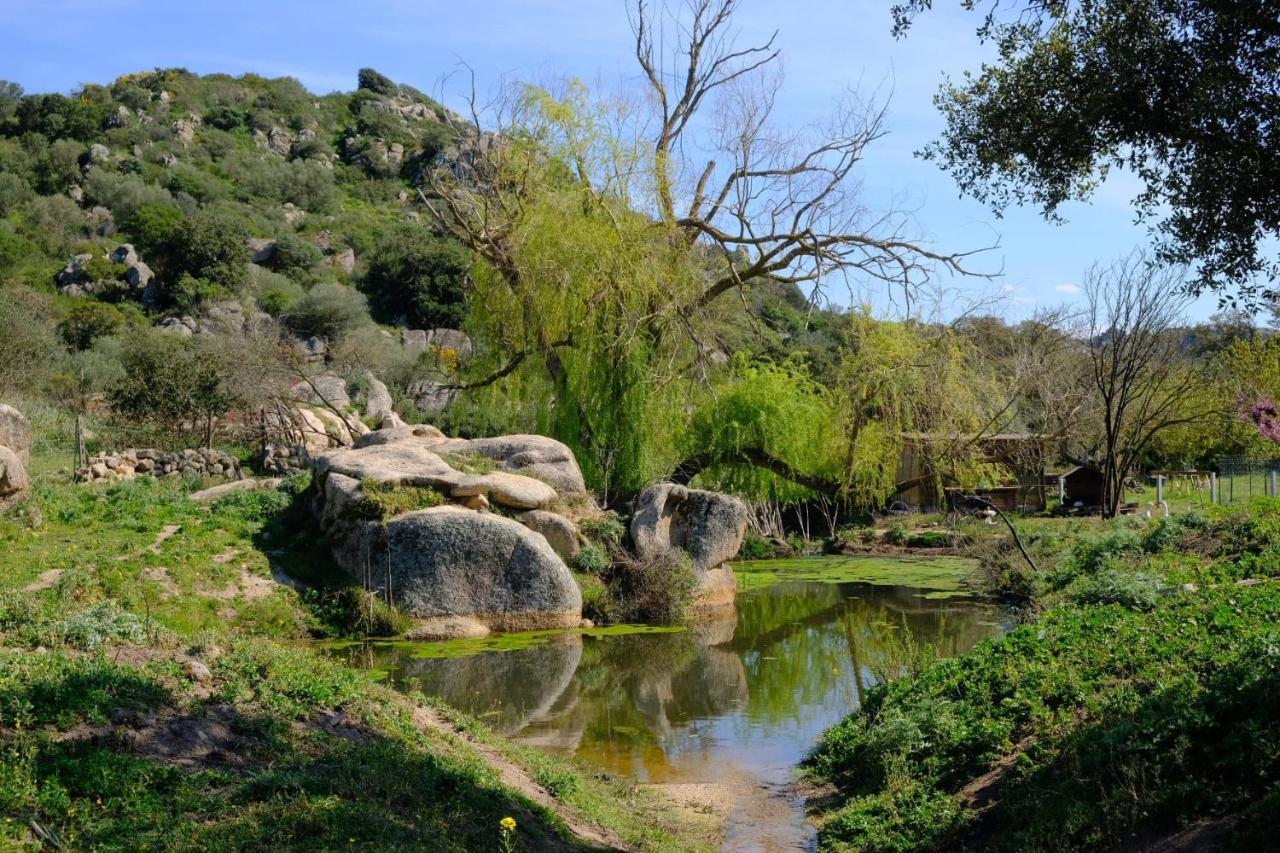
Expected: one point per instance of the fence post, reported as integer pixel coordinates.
(1213, 487)
(1159, 489)
(1274, 493)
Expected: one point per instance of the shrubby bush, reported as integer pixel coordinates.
(168, 386)
(327, 311)
(658, 589)
(189, 294)
(1117, 583)
(295, 257)
(210, 245)
(367, 78)
(53, 223)
(414, 275)
(90, 320)
(274, 292)
(591, 560)
(123, 195)
(151, 228)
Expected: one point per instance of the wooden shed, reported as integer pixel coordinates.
(1020, 454)
(1081, 488)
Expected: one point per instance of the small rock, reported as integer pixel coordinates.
(197, 672)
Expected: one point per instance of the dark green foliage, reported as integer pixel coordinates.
(224, 117)
(151, 228)
(1079, 88)
(189, 294)
(210, 246)
(418, 277)
(929, 539)
(294, 256)
(88, 321)
(170, 385)
(367, 78)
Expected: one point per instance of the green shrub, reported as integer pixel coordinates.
(419, 278)
(1116, 583)
(897, 534)
(327, 311)
(367, 78)
(212, 246)
(606, 530)
(294, 256)
(755, 547)
(13, 192)
(188, 295)
(929, 539)
(591, 560)
(91, 320)
(656, 589)
(99, 624)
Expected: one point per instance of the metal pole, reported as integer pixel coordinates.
(1274, 493)
(1159, 489)
(1213, 487)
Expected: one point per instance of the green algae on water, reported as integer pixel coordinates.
(943, 577)
(435, 649)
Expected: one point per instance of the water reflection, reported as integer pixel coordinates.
(751, 691)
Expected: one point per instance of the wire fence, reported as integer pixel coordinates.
(1243, 478)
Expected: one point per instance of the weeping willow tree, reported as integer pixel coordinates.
(770, 431)
(603, 246)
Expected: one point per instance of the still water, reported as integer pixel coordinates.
(724, 709)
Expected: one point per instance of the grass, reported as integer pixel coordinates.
(1144, 697)
(105, 598)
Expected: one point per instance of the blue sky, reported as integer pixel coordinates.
(828, 45)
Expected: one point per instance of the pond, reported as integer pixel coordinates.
(720, 712)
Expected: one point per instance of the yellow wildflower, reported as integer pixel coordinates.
(508, 823)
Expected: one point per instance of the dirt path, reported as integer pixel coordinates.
(516, 778)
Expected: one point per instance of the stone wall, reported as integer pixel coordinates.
(147, 462)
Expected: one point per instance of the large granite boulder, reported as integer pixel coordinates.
(561, 533)
(450, 561)
(708, 526)
(15, 433)
(377, 399)
(14, 484)
(325, 390)
(534, 456)
(412, 463)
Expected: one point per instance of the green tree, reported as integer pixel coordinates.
(419, 278)
(1180, 92)
(169, 386)
(211, 246)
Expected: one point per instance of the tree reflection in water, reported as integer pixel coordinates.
(749, 689)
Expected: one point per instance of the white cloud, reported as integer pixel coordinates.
(1067, 288)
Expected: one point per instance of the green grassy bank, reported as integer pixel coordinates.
(1139, 703)
(155, 694)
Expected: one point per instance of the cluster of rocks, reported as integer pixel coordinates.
(136, 281)
(226, 317)
(148, 462)
(15, 456)
(493, 555)
(460, 568)
(438, 340)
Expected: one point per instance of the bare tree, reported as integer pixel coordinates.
(1141, 378)
(770, 203)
